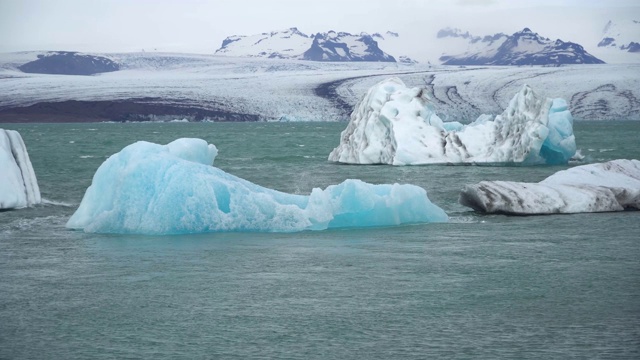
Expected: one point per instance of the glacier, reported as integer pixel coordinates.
(18, 183)
(397, 125)
(600, 187)
(154, 189)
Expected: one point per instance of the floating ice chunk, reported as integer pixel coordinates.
(396, 125)
(18, 184)
(560, 144)
(610, 186)
(172, 189)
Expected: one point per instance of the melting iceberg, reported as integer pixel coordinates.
(18, 184)
(610, 186)
(396, 125)
(171, 189)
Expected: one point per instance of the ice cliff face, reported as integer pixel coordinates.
(293, 44)
(522, 48)
(396, 125)
(610, 186)
(18, 184)
(173, 189)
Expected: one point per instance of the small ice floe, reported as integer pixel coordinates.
(609, 186)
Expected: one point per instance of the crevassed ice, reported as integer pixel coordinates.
(171, 189)
(18, 184)
(396, 125)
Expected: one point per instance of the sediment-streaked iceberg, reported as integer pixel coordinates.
(171, 189)
(610, 186)
(18, 183)
(396, 125)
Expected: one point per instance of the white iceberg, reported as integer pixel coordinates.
(396, 125)
(610, 186)
(18, 183)
(172, 189)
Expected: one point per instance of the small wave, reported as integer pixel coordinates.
(578, 155)
(606, 150)
(86, 156)
(579, 158)
(464, 220)
(56, 203)
(72, 142)
(30, 223)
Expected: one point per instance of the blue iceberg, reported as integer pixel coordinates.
(173, 189)
(560, 144)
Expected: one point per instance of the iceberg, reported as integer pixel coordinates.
(18, 183)
(601, 187)
(396, 125)
(157, 189)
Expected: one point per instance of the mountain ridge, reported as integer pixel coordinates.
(524, 47)
(620, 35)
(293, 44)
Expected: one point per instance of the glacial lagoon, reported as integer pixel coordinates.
(480, 286)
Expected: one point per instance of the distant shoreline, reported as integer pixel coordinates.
(140, 110)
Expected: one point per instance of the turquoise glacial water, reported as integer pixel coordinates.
(479, 287)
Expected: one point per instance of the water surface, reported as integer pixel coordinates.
(482, 286)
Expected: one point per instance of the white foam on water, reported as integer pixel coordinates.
(464, 220)
(57, 203)
(25, 224)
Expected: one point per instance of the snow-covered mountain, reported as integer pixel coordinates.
(522, 48)
(285, 44)
(623, 35)
(293, 44)
(333, 46)
(455, 44)
(395, 45)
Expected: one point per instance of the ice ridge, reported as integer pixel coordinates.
(397, 125)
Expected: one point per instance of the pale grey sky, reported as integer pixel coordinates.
(201, 25)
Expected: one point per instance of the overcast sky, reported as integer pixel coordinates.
(201, 25)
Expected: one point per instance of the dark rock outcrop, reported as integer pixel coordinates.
(334, 46)
(69, 63)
